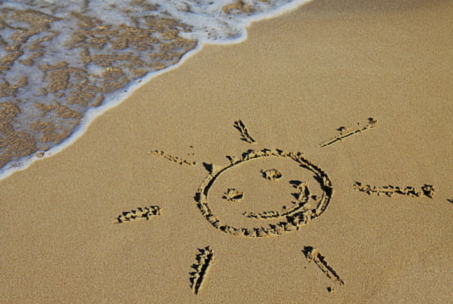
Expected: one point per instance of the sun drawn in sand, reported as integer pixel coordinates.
(306, 206)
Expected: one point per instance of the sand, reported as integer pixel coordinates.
(294, 82)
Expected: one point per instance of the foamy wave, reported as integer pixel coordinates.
(63, 63)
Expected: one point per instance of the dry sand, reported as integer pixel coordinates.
(293, 83)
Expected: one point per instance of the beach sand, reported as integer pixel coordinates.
(293, 83)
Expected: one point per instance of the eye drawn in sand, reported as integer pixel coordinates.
(272, 174)
(233, 195)
(306, 205)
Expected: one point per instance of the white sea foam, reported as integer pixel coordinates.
(210, 22)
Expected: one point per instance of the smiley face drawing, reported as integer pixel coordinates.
(289, 218)
(307, 206)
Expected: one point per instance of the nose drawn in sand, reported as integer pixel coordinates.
(273, 223)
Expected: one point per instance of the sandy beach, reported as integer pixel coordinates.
(317, 73)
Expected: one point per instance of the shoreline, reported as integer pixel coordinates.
(24, 162)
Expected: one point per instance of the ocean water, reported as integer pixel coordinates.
(63, 63)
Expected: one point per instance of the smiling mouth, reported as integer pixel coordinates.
(303, 195)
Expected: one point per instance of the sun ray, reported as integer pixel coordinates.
(139, 214)
(313, 255)
(204, 259)
(245, 136)
(345, 133)
(426, 190)
(172, 158)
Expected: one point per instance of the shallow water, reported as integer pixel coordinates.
(64, 63)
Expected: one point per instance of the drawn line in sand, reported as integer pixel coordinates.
(172, 158)
(313, 255)
(293, 219)
(346, 132)
(245, 136)
(302, 196)
(204, 260)
(139, 214)
(426, 190)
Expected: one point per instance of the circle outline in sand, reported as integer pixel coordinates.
(298, 217)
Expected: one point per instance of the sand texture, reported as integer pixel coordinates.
(309, 164)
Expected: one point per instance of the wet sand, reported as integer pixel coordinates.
(294, 82)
